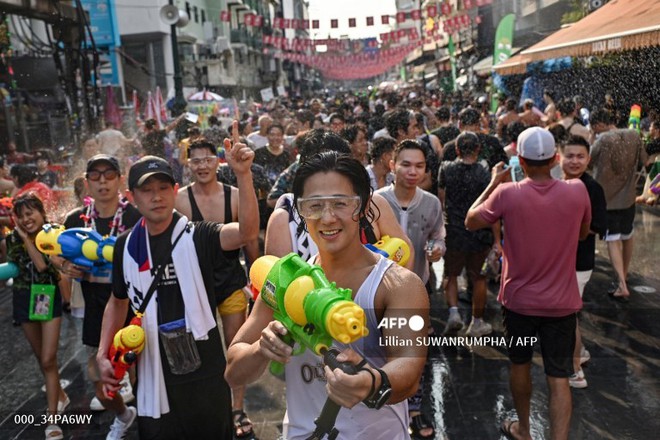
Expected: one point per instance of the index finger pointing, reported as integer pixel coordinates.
(235, 135)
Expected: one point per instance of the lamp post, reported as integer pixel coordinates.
(179, 104)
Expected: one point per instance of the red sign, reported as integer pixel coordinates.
(432, 11)
(416, 14)
(400, 17)
(224, 16)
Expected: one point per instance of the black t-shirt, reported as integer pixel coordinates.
(170, 301)
(96, 290)
(273, 165)
(491, 150)
(653, 147)
(463, 183)
(587, 247)
(49, 178)
(446, 133)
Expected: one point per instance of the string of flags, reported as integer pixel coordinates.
(354, 66)
(432, 11)
(450, 26)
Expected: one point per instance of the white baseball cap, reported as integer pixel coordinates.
(536, 143)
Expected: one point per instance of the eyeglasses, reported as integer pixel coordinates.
(199, 161)
(109, 174)
(340, 206)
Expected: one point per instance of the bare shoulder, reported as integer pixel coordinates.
(397, 279)
(183, 191)
(378, 199)
(181, 202)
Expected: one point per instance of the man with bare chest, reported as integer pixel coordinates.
(207, 199)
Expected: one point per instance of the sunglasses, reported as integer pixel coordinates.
(109, 174)
(198, 161)
(340, 206)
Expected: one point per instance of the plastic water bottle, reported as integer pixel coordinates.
(517, 173)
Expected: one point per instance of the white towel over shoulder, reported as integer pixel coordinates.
(152, 395)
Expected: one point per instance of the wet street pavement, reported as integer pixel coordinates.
(468, 393)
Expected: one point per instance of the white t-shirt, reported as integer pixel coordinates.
(257, 140)
(110, 141)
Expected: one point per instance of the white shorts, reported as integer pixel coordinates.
(583, 278)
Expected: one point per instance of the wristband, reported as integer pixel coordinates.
(373, 383)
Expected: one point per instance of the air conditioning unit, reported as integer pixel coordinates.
(222, 44)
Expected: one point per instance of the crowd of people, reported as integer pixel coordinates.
(194, 207)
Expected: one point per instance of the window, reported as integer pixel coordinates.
(195, 14)
(203, 16)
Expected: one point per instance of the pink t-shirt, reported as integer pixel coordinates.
(541, 232)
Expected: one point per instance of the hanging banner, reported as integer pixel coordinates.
(452, 61)
(503, 47)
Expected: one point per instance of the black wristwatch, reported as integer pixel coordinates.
(382, 394)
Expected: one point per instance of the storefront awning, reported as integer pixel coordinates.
(485, 66)
(618, 25)
(516, 65)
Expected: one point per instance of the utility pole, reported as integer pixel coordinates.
(179, 104)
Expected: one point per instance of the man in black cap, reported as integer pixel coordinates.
(109, 214)
(177, 397)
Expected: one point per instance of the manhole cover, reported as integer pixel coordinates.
(644, 289)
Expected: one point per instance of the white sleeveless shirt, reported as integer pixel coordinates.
(305, 384)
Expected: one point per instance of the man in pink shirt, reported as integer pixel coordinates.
(544, 219)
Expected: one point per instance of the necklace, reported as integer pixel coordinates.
(91, 214)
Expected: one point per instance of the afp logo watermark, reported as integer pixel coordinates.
(415, 322)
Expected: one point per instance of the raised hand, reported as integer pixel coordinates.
(238, 155)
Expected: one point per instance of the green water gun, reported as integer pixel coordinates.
(314, 311)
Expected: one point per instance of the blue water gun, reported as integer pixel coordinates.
(84, 247)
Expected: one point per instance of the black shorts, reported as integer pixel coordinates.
(456, 260)
(198, 410)
(556, 336)
(21, 305)
(620, 222)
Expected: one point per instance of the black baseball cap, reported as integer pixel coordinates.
(112, 161)
(146, 167)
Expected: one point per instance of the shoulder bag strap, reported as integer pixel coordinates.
(159, 274)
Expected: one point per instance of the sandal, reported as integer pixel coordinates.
(63, 404)
(54, 432)
(242, 425)
(505, 428)
(419, 423)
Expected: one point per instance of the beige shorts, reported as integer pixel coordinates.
(93, 372)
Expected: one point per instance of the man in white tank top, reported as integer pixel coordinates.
(331, 194)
